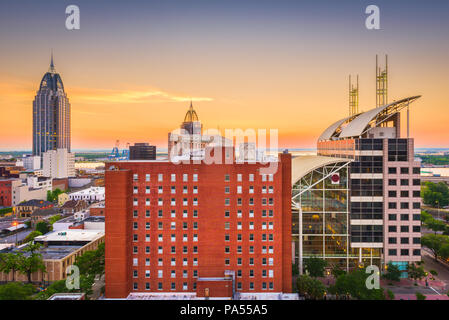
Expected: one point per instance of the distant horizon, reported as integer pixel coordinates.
(94, 150)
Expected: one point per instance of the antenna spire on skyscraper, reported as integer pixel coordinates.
(52, 65)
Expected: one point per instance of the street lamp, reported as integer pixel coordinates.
(15, 224)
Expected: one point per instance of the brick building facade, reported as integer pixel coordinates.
(212, 229)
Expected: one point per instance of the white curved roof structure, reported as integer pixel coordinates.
(302, 165)
(358, 125)
(329, 132)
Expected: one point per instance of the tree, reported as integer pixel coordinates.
(56, 287)
(32, 261)
(444, 250)
(433, 272)
(52, 196)
(416, 272)
(310, 288)
(91, 262)
(435, 194)
(436, 225)
(16, 291)
(10, 262)
(315, 266)
(425, 216)
(354, 284)
(420, 296)
(32, 235)
(55, 218)
(390, 294)
(43, 227)
(337, 271)
(393, 272)
(434, 242)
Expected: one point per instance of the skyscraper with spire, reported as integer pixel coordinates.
(51, 114)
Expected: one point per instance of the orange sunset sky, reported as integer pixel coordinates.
(131, 71)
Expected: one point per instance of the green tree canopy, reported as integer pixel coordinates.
(16, 291)
(91, 262)
(425, 216)
(32, 261)
(315, 266)
(393, 272)
(43, 227)
(354, 284)
(32, 235)
(435, 242)
(10, 262)
(310, 288)
(436, 225)
(56, 287)
(337, 271)
(55, 218)
(435, 194)
(416, 272)
(420, 296)
(53, 195)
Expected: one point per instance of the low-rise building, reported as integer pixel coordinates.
(62, 199)
(72, 206)
(26, 208)
(77, 222)
(60, 249)
(6, 191)
(97, 209)
(42, 214)
(92, 194)
(35, 182)
(61, 184)
(31, 162)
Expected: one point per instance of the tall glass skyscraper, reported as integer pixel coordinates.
(51, 114)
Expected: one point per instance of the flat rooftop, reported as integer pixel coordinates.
(70, 235)
(67, 296)
(57, 252)
(52, 252)
(89, 191)
(94, 219)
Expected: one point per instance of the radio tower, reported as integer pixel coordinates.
(382, 84)
(353, 97)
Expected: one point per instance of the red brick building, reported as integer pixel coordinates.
(6, 192)
(213, 229)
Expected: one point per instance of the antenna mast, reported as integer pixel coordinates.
(353, 97)
(381, 83)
